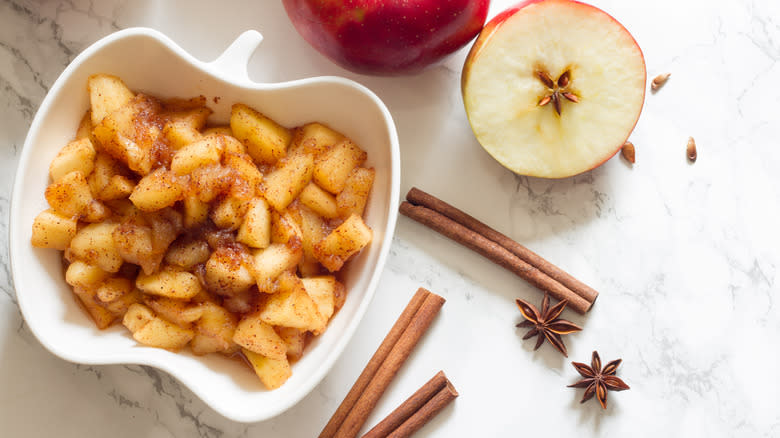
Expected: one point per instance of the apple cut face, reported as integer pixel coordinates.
(553, 88)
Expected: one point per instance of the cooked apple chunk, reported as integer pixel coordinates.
(354, 197)
(342, 243)
(284, 184)
(255, 231)
(265, 139)
(171, 283)
(107, 94)
(314, 139)
(76, 155)
(52, 230)
(334, 166)
(291, 306)
(255, 335)
(272, 372)
(151, 330)
(270, 262)
(157, 190)
(70, 195)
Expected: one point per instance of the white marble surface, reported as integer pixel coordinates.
(686, 256)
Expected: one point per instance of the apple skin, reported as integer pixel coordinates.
(386, 37)
(495, 23)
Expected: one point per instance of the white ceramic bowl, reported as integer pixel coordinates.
(150, 62)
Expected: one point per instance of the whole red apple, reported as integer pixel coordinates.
(387, 37)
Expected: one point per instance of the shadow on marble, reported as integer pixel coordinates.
(591, 413)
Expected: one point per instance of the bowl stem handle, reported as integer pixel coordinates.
(233, 62)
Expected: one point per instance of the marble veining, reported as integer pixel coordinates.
(685, 256)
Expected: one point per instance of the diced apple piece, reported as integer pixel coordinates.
(52, 230)
(186, 254)
(102, 317)
(229, 212)
(136, 317)
(155, 331)
(353, 199)
(179, 312)
(78, 155)
(169, 283)
(313, 230)
(106, 94)
(314, 139)
(118, 187)
(284, 227)
(272, 261)
(234, 146)
(81, 274)
(70, 195)
(156, 191)
(323, 291)
(255, 335)
(319, 201)
(226, 273)
(195, 210)
(284, 184)
(294, 339)
(113, 288)
(334, 166)
(208, 182)
(272, 372)
(346, 240)
(94, 244)
(199, 154)
(266, 140)
(242, 164)
(291, 306)
(214, 330)
(119, 306)
(95, 212)
(255, 231)
(182, 128)
(127, 135)
(105, 169)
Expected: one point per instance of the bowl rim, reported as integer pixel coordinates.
(222, 68)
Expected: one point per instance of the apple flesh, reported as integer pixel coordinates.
(387, 37)
(553, 88)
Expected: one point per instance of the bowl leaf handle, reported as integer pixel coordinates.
(232, 64)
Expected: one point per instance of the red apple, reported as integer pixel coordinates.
(387, 36)
(553, 88)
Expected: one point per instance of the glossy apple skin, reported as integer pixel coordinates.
(495, 23)
(387, 37)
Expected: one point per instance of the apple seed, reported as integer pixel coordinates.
(659, 81)
(691, 150)
(559, 90)
(628, 152)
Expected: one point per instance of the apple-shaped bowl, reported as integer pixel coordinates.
(150, 62)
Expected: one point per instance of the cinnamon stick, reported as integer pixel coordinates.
(419, 197)
(439, 401)
(494, 252)
(374, 363)
(369, 396)
(414, 404)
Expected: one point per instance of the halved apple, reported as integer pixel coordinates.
(553, 88)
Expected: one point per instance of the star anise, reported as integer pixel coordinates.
(597, 381)
(546, 324)
(557, 90)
